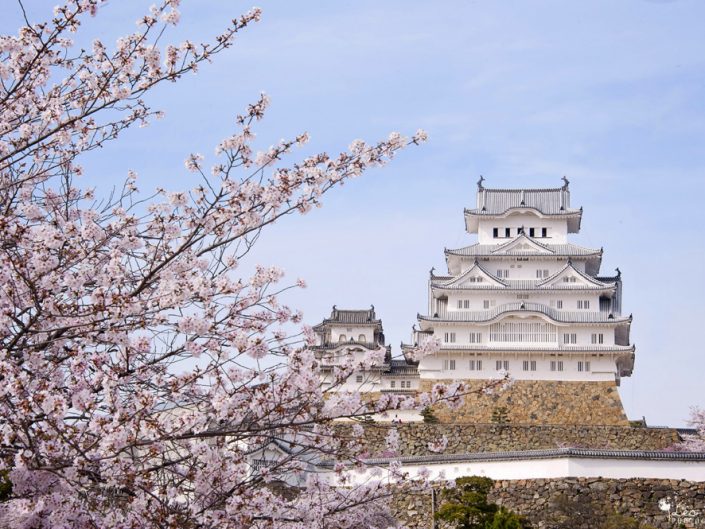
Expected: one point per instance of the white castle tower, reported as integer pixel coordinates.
(525, 300)
(348, 336)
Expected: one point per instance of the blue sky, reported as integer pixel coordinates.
(611, 94)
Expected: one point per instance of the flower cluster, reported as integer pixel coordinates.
(145, 383)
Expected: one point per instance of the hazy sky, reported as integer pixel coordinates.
(611, 94)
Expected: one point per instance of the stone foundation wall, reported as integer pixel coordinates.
(465, 438)
(638, 498)
(547, 501)
(539, 402)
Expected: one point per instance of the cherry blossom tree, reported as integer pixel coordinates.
(141, 375)
(694, 442)
(144, 381)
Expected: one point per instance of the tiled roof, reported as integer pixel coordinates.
(517, 284)
(649, 455)
(557, 250)
(553, 201)
(401, 367)
(348, 343)
(551, 348)
(556, 315)
(353, 317)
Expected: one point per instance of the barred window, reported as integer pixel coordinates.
(583, 366)
(475, 365)
(529, 365)
(522, 332)
(570, 338)
(448, 365)
(502, 364)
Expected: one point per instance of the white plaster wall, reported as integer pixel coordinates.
(564, 467)
(557, 228)
(601, 368)
(477, 298)
(402, 416)
(371, 381)
(583, 333)
(459, 264)
(352, 332)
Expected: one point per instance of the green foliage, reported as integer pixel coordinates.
(619, 521)
(466, 507)
(428, 415)
(564, 511)
(504, 519)
(5, 485)
(500, 415)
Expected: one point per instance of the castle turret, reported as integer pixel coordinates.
(525, 300)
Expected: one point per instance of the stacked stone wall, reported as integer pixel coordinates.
(538, 402)
(642, 499)
(466, 438)
(543, 500)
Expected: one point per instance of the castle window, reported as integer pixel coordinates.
(583, 304)
(544, 232)
(487, 303)
(556, 365)
(475, 337)
(598, 338)
(502, 273)
(540, 274)
(475, 365)
(448, 365)
(502, 364)
(569, 279)
(507, 232)
(522, 332)
(532, 232)
(584, 366)
(522, 296)
(361, 338)
(495, 233)
(341, 338)
(570, 338)
(529, 365)
(392, 384)
(449, 337)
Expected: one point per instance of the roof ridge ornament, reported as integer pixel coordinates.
(433, 269)
(479, 182)
(619, 272)
(566, 182)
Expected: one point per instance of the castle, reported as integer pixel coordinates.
(522, 300)
(526, 301)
